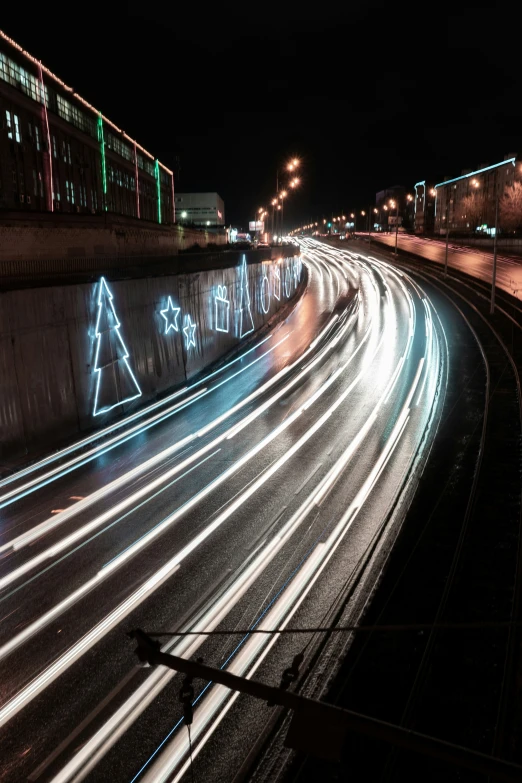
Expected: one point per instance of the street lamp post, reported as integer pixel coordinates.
(447, 237)
(373, 211)
(494, 275)
(274, 202)
(282, 196)
(396, 204)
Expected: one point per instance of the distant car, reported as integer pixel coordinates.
(262, 244)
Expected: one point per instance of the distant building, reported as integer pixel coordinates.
(467, 203)
(387, 214)
(200, 209)
(60, 154)
(424, 208)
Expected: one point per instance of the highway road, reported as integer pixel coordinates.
(244, 500)
(471, 260)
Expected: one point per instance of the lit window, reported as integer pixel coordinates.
(37, 137)
(69, 151)
(9, 124)
(67, 191)
(55, 151)
(64, 152)
(17, 128)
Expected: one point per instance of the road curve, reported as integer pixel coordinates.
(243, 501)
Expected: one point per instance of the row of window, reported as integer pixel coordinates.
(119, 146)
(200, 209)
(121, 178)
(71, 113)
(18, 77)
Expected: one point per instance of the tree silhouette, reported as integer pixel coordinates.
(473, 209)
(510, 207)
(115, 381)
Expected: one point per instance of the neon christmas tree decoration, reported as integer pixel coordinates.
(171, 315)
(246, 322)
(265, 294)
(276, 282)
(115, 381)
(288, 281)
(189, 331)
(222, 306)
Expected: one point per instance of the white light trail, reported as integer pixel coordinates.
(29, 692)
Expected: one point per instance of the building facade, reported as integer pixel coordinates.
(387, 215)
(424, 208)
(200, 209)
(59, 154)
(467, 203)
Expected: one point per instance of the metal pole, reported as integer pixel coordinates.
(447, 237)
(369, 223)
(396, 227)
(494, 279)
(334, 717)
(282, 210)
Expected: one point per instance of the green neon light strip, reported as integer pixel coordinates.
(101, 139)
(157, 173)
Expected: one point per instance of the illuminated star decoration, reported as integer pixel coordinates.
(189, 330)
(171, 315)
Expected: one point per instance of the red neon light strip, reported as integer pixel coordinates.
(78, 97)
(50, 190)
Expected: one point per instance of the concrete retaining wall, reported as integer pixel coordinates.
(49, 236)
(49, 366)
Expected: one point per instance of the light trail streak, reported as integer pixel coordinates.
(46, 525)
(95, 748)
(280, 614)
(83, 531)
(126, 714)
(122, 422)
(62, 470)
(43, 680)
(93, 751)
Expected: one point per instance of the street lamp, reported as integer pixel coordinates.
(282, 196)
(395, 204)
(274, 203)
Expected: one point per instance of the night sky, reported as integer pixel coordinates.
(368, 96)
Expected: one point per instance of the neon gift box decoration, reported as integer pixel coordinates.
(222, 309)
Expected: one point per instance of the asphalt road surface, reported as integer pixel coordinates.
(245, 500)
(471, 260)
